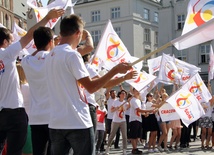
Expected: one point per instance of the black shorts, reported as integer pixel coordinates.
(135, 129)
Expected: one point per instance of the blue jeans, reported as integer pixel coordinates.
(13, 128)
(82, 141)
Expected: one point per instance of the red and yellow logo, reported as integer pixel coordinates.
(114, 49)
(182, 101)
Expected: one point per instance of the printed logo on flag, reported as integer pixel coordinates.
(141, 78)
(169, 71)
(201, 13)
(182, 100)
(195, 89)
(114, 49)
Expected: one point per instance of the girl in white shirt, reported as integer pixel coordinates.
(119, 120)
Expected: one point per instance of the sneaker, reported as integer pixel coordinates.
(176, 147)
(160, 149)
(136, 151)
(156, 150)
(166, 149)
(170, 148)
(150, 151)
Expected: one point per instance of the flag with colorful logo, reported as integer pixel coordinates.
(186, 105)
(41, 12)
(142, 80)
(211, 65)
(111, 50)
(198, 26)
(154, 64)
(173, 70)
(199, 12)
(197, 87)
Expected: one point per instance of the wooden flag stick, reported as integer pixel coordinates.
(154, 52)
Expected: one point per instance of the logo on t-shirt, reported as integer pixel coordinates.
(121, 112)
(1, 67)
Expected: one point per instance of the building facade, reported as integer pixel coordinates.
(6, 13)
(135, 21)
(20, 13)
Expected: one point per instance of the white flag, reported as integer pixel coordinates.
(41, 12)
(199, 12)
(174, 70)
(111, 50)
(143, 79)
(197, 87)
(186, 105)
(168, 113)
(198, 26)
(154, 64)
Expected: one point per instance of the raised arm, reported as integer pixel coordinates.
(88, 46)
(55, 13)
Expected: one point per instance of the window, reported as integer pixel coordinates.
(147, 35)
(1, 2)
(117, 30)
(156, 17)
(204, 52)
(96, 37)
(181, 21)
(146, 14)
(6, 4)
(95, 16)
(156, 37)
(115, 13)
(182, 55)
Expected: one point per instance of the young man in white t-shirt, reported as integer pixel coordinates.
(13, 118)
(33, 66)
(70, 121)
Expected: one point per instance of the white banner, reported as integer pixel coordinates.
(168, 113)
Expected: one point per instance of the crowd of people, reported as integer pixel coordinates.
(49, 106)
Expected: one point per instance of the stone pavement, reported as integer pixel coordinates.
(194, 149)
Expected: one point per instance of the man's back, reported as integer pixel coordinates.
(69, 110)
(35, 73)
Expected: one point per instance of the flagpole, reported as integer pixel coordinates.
(154, 52)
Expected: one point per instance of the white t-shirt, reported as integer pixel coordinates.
(69, 110)
(110, 101)
(36, 77)
(101, 126)
(119, 115)
(134, 115)
(10, 93)
(26, 96)
(92, 73)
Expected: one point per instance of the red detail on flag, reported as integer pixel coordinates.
(110, 48)
(197, 18)
(54, 20)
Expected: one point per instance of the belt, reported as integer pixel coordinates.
(10, 110)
